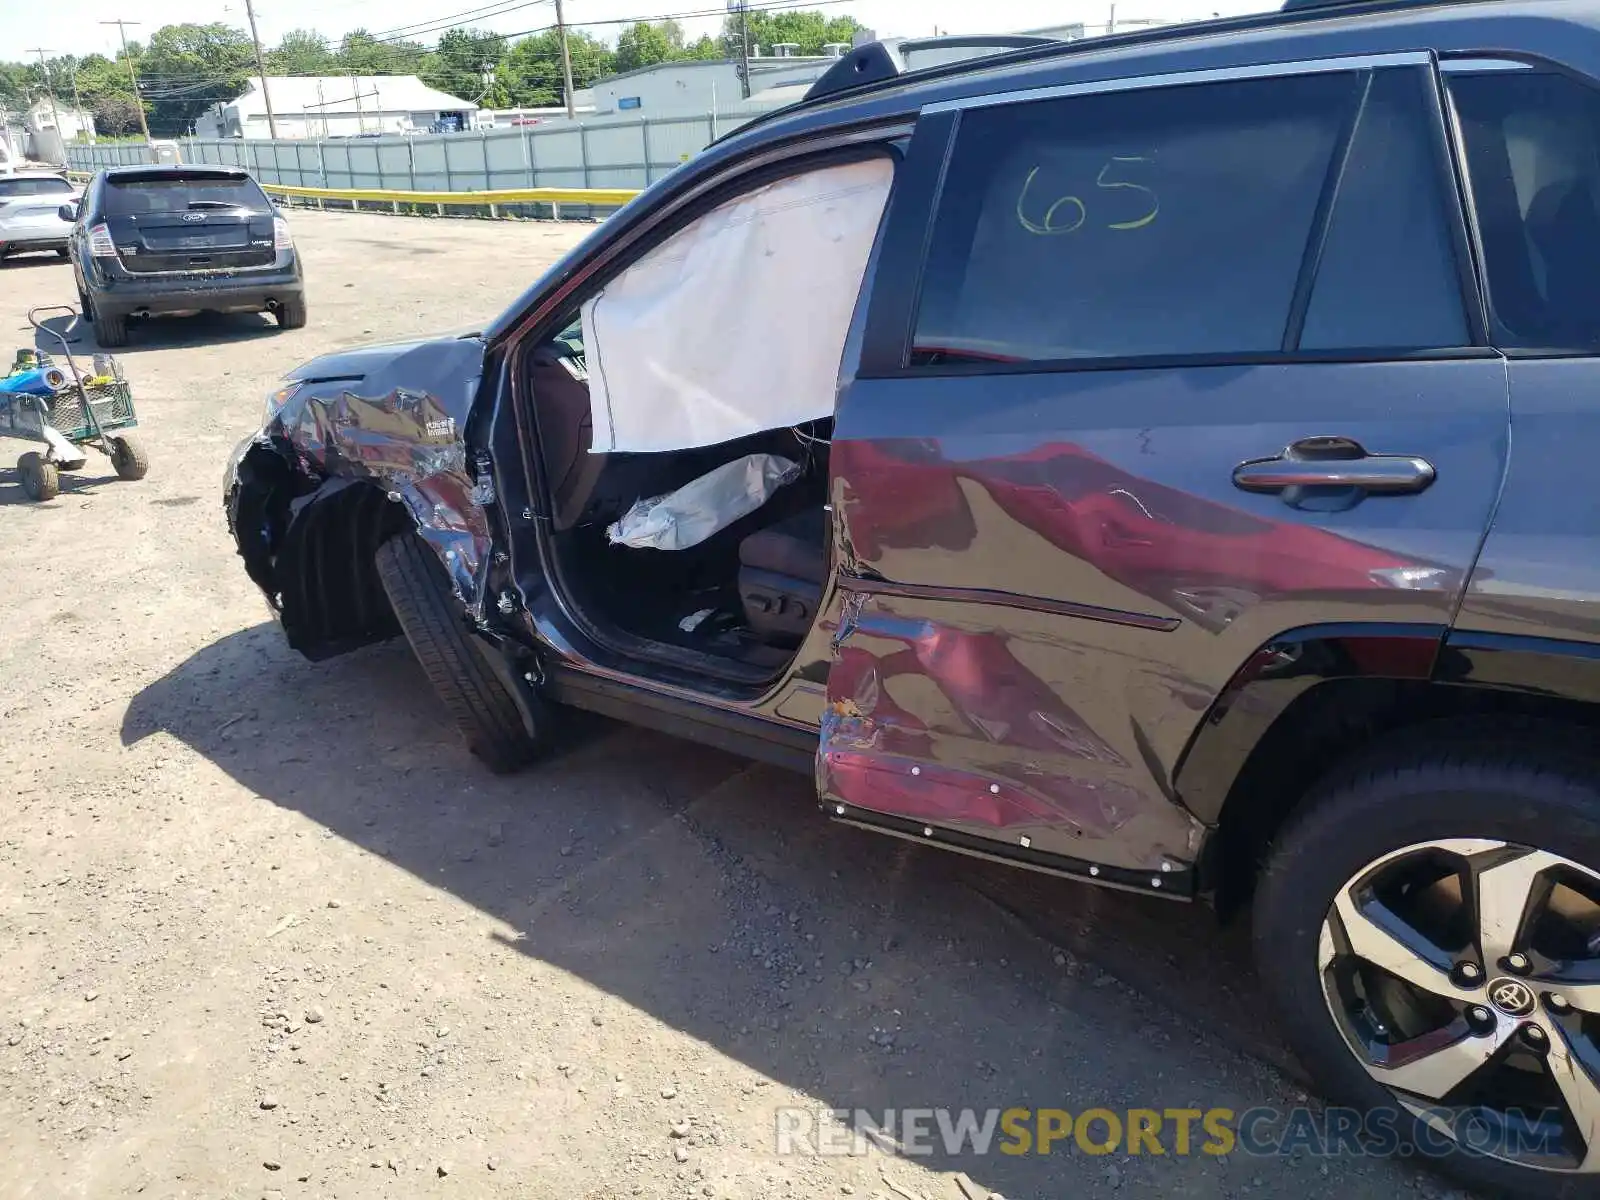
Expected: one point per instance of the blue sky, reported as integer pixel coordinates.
(70, 26)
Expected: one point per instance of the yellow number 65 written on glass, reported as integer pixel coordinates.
(1068, 214)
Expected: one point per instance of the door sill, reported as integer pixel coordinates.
(778, 743)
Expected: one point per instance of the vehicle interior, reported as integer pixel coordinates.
(725, 579)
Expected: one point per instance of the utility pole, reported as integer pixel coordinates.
(566, 62)
(361, 117)
(1111, 23)
(133, 78)
(77, 101)
(744, 48)
(50, 91)
(261, 72)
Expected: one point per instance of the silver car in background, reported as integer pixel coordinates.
(30, 217)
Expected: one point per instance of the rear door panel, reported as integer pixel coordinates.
(1048, 599)
(1049, 577)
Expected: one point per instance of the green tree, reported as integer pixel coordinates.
(103, 88)
(188, 68)
(302, 52)
(17, 81)
(810, 29)
(531, 73)
(705, 47)
(458, 65)
(363, 54)
(115, 116)
(649, 42)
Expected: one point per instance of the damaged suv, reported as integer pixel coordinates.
(1092, 457)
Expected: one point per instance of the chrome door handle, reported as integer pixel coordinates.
(1335, 462)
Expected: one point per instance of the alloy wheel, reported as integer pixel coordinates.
(1464, 975)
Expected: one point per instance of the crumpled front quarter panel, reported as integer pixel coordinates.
(402, 427)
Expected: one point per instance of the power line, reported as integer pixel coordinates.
(475, 14)
(775, 6)
(133, 76)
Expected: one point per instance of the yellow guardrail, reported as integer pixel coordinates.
(598, 197)
(594, 197)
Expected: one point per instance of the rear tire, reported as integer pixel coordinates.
(128, 457)
(110, 331)
(40, 479)
(291, 314)
(486, 716)
(1375, 837)
(63, 252)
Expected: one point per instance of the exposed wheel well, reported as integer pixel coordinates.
(1323, 728)
(311, 548)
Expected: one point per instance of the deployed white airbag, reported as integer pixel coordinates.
(702, 506)
(735, 324)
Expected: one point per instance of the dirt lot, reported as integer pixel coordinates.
(268, 930)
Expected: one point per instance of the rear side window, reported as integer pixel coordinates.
(1533, 161)
(133, 197)
(41, 185)
(1175, 221)
(1387, 276)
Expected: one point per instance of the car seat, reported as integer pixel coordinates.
(782, 570)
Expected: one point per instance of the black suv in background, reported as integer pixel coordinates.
(174, 240)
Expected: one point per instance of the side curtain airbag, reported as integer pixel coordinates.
(737, 323)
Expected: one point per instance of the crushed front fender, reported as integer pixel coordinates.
(354, 447)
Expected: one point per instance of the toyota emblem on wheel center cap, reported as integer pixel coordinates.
(1511, 996)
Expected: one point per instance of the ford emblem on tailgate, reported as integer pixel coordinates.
(194, 216)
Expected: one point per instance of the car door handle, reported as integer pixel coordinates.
(1335, 462)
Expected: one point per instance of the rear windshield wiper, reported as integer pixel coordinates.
(214, 204)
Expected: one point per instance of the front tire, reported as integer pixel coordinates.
(1424, 926)
(419, 593)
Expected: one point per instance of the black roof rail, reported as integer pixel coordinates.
(877, 62)
(877, 65)
(1292, 6)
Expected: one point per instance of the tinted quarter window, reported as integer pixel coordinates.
(1533, 161)
(1387, 276)
(132, 197)
(42, 185)
(1169, 221)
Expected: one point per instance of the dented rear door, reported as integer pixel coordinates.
(1173, 369)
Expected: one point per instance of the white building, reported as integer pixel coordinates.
(312, 106)
(778, 76)
(698, 86)
(41, 118)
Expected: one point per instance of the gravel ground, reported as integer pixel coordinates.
(267, 930)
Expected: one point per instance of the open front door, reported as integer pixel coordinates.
(1192, 365)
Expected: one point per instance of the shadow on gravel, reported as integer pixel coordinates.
(86, 482)
(156, 333)
(709, 893)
